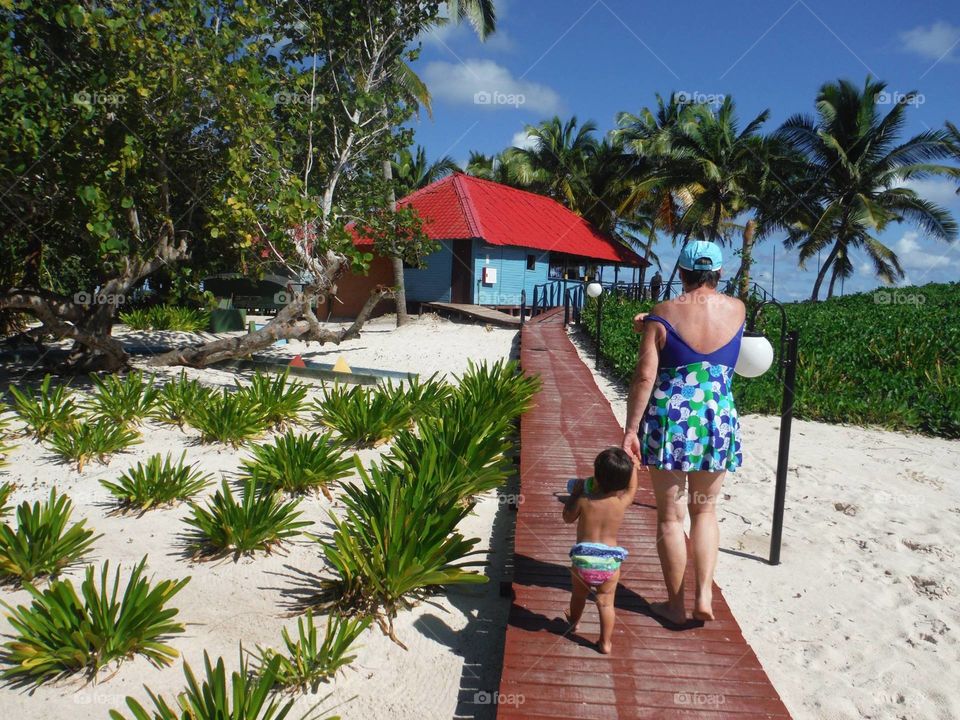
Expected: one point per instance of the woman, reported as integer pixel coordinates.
(682, 422)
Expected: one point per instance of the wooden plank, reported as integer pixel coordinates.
(476, 312)
(700, 671)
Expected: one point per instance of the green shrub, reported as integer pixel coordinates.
(6, 490)
(282, 401)
(5, 447)
(62, 632)
(228, 417)
(298, 464)
(460, 459)
(45, 409)
(135, 319)
(259, 521)
(247, 696)
(125, 400)
(91, 441)
(886, 358)
(364, 416)
(427, 398)
(166, 317)
(495, 391)
(44, 541)
(158, 482)
(396, 542)
(177, 398)
(308, 660)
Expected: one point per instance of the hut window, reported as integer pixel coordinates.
(531, 262)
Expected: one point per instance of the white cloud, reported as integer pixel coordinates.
(937, 190)
(934, 42)
(866, 268)
(914, 256)
(522, 140)
(487, 84)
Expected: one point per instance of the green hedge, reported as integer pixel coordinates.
(887, 358)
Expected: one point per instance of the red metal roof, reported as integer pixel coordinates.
(461, 207)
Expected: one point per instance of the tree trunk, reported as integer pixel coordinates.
(648, 250)
(833, 282)
(746, 258)
(284, 325)
(400, 292)
(676, 265)
(815, 295)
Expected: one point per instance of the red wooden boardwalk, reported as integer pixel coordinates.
(706, 671)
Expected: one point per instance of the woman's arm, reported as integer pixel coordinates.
(644, 376)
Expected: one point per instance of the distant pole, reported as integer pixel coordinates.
(596, 362)
(773, 275)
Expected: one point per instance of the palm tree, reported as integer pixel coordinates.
(556, 163)
(500, 168)
(411, 171)
(482, 16)
(852, 187)
(714, 164)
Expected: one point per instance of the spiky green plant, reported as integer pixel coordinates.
(45, 409)
(135, 319)
(62, 632)
(308, 660)
(126, 400)
(363, 416)
(459, 458)
(396, 542)
(498, 390)
(247, 696)
(259, 521)
(298, 464)
(158, 482)
(282, 400)
(91, 441)
(425, 398)
(228, 417)
(44, 542)
(5, 447)
(6, 490)
(178, 397)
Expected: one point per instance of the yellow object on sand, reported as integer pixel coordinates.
(341, 365)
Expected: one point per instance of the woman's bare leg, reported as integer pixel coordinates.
(704, 536)
(668, 487)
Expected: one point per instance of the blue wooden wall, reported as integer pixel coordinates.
(512, 274)
(431, 283)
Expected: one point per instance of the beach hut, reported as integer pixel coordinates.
(495, 242)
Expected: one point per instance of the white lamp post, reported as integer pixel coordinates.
(756, 356)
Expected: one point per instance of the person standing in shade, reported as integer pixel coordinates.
(656, 282)
(682, 422)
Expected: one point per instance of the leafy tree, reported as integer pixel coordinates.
(411, 171)
(852, 186)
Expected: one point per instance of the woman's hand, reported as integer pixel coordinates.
(638, 322)
(631, 444)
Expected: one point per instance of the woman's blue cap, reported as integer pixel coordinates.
(701, 255)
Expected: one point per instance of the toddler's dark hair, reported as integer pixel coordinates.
(612, 469)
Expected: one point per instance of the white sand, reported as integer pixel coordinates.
(451, 639)
(861, 618)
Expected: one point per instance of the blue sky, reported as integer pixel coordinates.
(593, 59)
